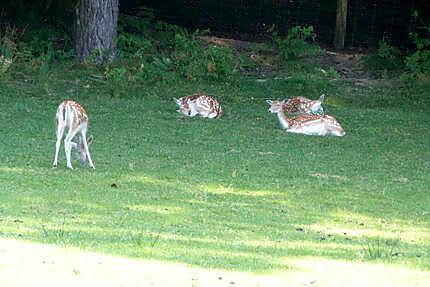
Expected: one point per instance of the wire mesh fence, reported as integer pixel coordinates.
(368, 21)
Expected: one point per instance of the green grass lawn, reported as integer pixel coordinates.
(236, 193)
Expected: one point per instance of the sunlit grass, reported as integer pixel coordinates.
(368, 227)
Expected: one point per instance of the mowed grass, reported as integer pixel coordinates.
(236, 193)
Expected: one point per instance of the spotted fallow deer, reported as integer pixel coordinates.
(72, 116)
(306, 124)
(199, 104)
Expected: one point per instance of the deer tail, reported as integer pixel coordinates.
(64, 113)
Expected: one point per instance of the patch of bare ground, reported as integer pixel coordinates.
(263, 59)
(24, 264)
(237, 45)
(349, 64)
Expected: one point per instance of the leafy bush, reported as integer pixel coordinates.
(182, 54)
(165, 35)
(8, 47)
(192, 59)
(4, 65)
(163, 48)
(40, 42)
(8, 42)
(220, 64)
(387, 59)
(130, 45)
(134, 34)
(296, 44)
(117, 79)
(419, 61)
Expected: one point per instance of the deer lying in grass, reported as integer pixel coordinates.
(72, 116)
(306, 124)
(302, 105)
(199, 104)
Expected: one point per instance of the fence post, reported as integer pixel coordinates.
(339, 37)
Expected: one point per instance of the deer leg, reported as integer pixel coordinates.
(68, 145)
(60, 131)
(212, 115)
(84, 141)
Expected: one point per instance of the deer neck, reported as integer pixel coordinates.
(283, 120)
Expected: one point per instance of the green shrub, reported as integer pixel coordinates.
(165, 35)
(8, 48)
(387, 59)
(5, 63)
(194, 59)
(8, 44)
(219, 63)
(129, 45)
(419, 61)
(117, 79)
(165, 51)
(134, 34)
(37, 43)
(155, 69)
(296, 44)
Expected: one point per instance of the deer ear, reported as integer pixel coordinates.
(178, 102)
(90, 140)
(322, 97)
(269, 102)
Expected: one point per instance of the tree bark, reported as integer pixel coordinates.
(95, 29)
(339, 37)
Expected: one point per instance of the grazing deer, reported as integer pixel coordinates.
(72, 116)
(302, 105)
(199, 104)
(306, 124)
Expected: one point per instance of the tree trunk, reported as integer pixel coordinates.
(95, 29)
(339, 37)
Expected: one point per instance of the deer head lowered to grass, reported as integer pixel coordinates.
(72, 116)
(321, 125)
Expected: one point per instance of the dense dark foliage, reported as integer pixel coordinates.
(159, 37)
(369, 21)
